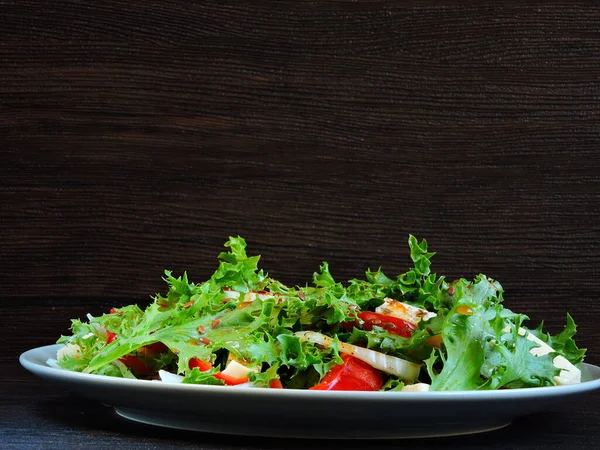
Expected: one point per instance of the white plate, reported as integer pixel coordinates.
(308, 414)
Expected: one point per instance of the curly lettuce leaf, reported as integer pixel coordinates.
(478, 353)
(563, 343)
(393, 384)
(482, 347)
(415, 348)
(237, 270)
(207, 377)
(510, 363)
(304, 355)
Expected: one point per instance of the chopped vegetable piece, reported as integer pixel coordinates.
(352, 375)
(389, 323)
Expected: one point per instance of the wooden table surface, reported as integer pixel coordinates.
(136, 136)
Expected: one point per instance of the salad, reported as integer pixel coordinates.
(415, 332)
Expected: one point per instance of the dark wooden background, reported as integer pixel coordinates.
(136, 136)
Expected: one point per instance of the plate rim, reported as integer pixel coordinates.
(28, 360)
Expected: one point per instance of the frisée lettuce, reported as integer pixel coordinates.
(242, 328)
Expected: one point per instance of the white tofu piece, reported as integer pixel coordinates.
(237, 370)
(169, 378)
(418, 387)
(569, 374)
(230, 293)
(69, 351)
(404, 311)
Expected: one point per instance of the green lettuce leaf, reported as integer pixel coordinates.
(197, 377)
(563, 343)
(392, 384)
(477, 352)
(481, 344)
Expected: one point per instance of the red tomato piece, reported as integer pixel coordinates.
(158, 347)
(110, 336)
(152, 350)
(136, 364)
(276, 384)
(389, 323)
(352, 375)
(348, 326)
(231, 381)
(202, 366)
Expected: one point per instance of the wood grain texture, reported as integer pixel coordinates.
(136, 136)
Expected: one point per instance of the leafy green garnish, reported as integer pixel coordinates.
(483, 348)
(563, 342)
(472, 343)
(197, 377)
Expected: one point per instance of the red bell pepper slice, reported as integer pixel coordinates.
(202, 366)
(348, 326)
(230, 380)
(151, 350)
(110, 336)
(137, 364)
(276, 384)
(352, 375)
(389, 323)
